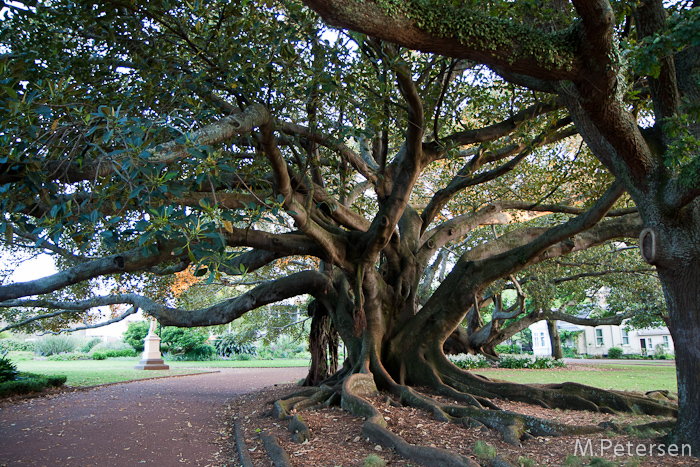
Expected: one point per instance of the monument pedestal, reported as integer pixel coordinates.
(151, 354)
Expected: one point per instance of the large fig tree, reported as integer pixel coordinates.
(143, 139)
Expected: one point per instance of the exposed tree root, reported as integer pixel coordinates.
(241, 446)
(359, 385)
(572, 396)
(472, 407)
(278, 455)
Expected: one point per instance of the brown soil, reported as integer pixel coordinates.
(336, 435)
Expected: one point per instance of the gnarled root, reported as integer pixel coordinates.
(572, 396)
(358, 386)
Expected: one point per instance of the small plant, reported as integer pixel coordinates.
(484, 450)
(15, 345)
(87, 345)
(8, 370)
(526, 462)
(574, 461)
(528, 361)
(469, 362)
(51, 345)
(374, 460)
(660, 352)
(615, 352)
(28, 382)
(230, 344)
(69, 356)
(600, 462)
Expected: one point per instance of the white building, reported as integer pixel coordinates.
(597, 340)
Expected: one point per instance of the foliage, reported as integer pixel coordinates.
(135, 334)
(505, 348)
(230, 344)
(204, 352)
(484, 450)
(51, 345)
(112, 353)
(374, 460)
(68, 356)
(88, 344)
(615, 352)
(469, 362)
(8, 370)
(530, 362)
(111, 345)
(28, 382)
(283, 347)
(11, 344)
(661, 352)
(526, 462)
(174, 340)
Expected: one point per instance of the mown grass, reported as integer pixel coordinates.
(622, 377)
(113, 370)
(92, 372)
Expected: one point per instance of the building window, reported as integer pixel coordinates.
(666, 341)
(625, 337)
(542, 339)
(599, 337)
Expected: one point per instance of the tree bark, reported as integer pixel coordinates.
(683, 301)
(323, 345)
(555, 339)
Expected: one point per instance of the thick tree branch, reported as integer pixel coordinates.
(442, 29)
(129, 261)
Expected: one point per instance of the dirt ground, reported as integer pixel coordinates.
(336, 436)
(190, 421)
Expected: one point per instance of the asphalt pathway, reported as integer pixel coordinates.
(164, 422)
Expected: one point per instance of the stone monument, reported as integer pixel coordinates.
(151, 359)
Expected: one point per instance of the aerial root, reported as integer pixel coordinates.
(276, 452)
(572, 396)
(358, 386)
(513, 427)
(288, 408)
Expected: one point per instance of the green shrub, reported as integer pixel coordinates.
(469, 362)
(374, 460)
(614, 352)
(230, 344)
(21, 355)
(100, 352)
(484, 450)
(512, 349)
(135, 334)
(199, 354)
(526, 462)
(569, 352)
(69, 356)
(660, 352)
(15, 345)
(174, 340)
(113, 346)
(8, 370)
(28, 382)
(528, 361)
(50, 345)
(88, 344)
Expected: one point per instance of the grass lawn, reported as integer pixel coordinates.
(91, 372)
(622, 377)
(112, 370)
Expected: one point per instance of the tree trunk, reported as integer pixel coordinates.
(555, 339)
(682, 291)
(323, 345)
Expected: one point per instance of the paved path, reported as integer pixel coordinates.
(163, 422)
